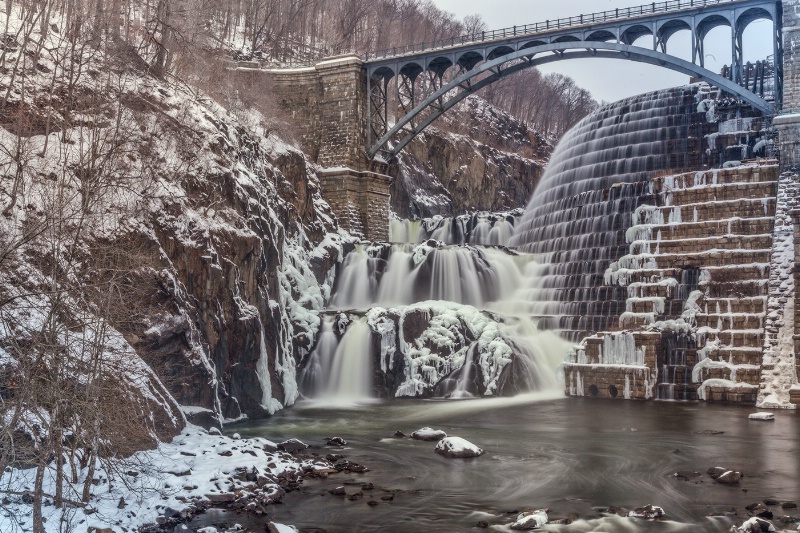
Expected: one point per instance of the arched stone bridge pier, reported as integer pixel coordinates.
(326, 103)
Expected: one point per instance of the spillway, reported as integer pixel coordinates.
(599, 174)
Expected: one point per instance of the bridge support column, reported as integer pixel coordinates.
(788, 125)
(330, 101)
(794, 393)
(360, 200)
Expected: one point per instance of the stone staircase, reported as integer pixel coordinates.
(697, 277)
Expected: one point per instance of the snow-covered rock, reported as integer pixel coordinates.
(457, 448)
(274, 527)
(762, 416)
(160, 484)
(754, 525)
(648, 512)
(292, 446)
(428, 434)
(492, 166)
(530, 520)
(730, 477)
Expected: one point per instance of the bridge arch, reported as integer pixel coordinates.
(447, 95)
(633, 32)
(601, 36)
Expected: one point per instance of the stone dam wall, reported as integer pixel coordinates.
(709, 277)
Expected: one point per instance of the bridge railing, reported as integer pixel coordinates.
(548, 25)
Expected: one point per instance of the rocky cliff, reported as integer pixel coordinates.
(147, 223)
(475, 158)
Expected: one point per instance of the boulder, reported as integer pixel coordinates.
(648, 512)
(530, 520)
(428, 434)
(457, 448)
(754, 525)
(716, 471)
(764, 416)
(337, 441)
(292, 446)
(729, 478)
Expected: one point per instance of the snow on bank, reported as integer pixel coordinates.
(196, 468)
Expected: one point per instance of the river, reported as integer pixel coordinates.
(570, 455)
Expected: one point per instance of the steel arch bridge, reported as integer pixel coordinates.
(422, 82)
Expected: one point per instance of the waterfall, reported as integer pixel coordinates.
(576, 221)
(314, 374)
(351, 368)
(486, 229)
(340, 371)
(467, 338)
(402, 274)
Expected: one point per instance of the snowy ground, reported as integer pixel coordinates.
(166, 485)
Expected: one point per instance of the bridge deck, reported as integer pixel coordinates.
(599, 20)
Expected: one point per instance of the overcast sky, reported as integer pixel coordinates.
(610, 79)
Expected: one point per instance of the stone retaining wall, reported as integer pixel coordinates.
(327, 105)
(705, 248)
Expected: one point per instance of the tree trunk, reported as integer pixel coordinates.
(38, 496)
(162, 53)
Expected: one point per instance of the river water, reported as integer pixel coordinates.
(571, 455)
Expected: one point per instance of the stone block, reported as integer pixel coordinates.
(360, 201)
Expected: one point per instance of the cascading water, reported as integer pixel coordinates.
(313, 376)
(575, 224)
(350, 372)
(403, 274)
(488, 229)
(444, 327)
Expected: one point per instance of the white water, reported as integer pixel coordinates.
(450, 365)
(488, 229)
(314, 374)
(414, 273)
(350, 377)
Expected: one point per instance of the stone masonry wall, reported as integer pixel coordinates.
(327, 105)
(342, 113)
(778, 366)
(299, 92)
(788, 127)
(791, 55)
(697, 276)
(360, 201)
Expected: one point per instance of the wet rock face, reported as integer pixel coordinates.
(476, 158)
(214, 298)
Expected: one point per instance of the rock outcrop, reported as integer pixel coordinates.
(213, 240)
(474, 158)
